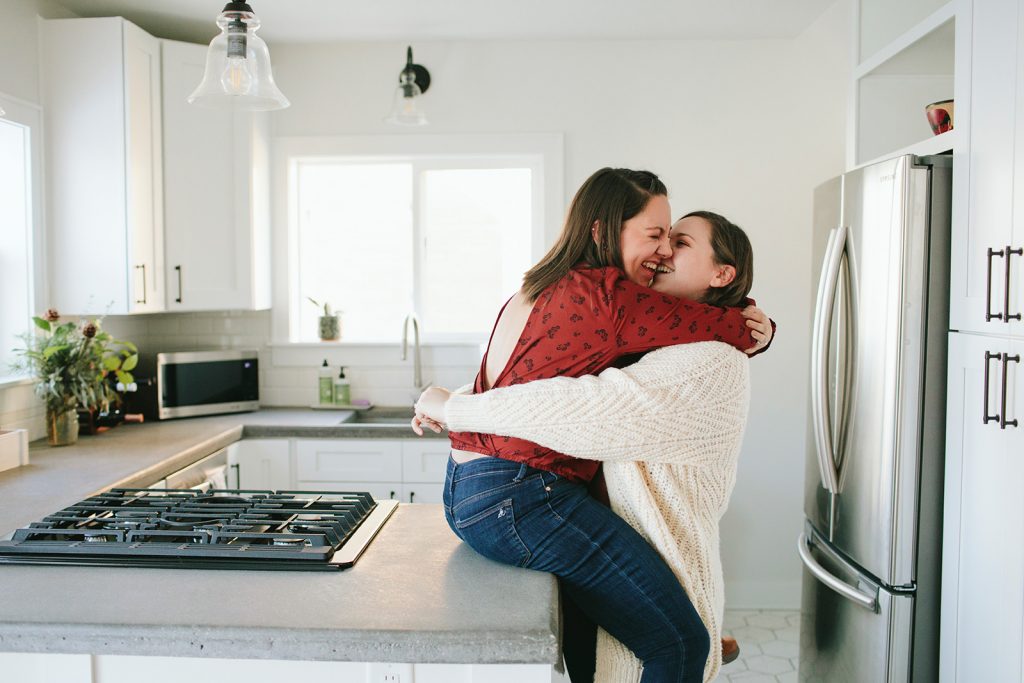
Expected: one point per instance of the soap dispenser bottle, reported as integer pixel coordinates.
(326, 386)
(342, 389)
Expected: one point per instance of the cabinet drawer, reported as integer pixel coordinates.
(348, 460)
(422, 493)
(379, 490)
(425, 462)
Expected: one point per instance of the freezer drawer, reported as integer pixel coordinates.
(864, 636)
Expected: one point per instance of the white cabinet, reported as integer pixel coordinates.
(411, 471)
(987, 288)
(983, 554)
(260, 464)
(216, 218)
(101, 95)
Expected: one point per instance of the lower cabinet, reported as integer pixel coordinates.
(49, 668)
(260, 464)
(982, 625)
(405, 470)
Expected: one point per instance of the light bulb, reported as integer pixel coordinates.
(236, 78)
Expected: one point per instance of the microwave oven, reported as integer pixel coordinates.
(190, 383)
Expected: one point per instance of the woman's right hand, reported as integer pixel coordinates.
(430, 410)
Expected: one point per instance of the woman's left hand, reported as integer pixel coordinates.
(760, 328)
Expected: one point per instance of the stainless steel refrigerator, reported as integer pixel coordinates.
(871, 539)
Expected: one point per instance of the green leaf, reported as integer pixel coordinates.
(124, 377)
(111, 362)
(40, 323)
(131, 347)
(130, 362)
(50, 350)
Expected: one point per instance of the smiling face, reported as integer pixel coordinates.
(645, 240)
(693, 262)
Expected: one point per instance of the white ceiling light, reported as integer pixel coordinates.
(238, 74)
(412, 83)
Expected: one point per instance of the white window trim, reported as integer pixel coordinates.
(543, 151)
(31, 115)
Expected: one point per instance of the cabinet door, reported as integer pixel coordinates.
(144, 164)
(976, 289)
(262, 464)
(209, 218)
(420, 492)
(425, 460)
(349, 460)
(1013, 274)
(100, 83)
(982, 623)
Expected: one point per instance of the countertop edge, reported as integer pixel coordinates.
(225, 642)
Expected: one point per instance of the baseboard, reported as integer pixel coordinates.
(762, 595)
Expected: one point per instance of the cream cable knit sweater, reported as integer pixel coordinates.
(669, 430)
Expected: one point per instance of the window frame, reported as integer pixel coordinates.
(30, 115)
(542, 153)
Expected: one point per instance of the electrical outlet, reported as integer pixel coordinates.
(388, 672)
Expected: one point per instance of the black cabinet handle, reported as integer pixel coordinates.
(143, 299)
(238, 475)
(1006, 284)
(1003, 422)
(411, 494)
(392, 496)
(178, 268)
(986, 417)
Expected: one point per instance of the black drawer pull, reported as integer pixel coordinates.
(986, 417)
(1006, 285)
(1003, 422)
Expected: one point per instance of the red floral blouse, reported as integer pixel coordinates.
(580, 326)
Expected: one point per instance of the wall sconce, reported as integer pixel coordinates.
(412, 82)
(238, 74)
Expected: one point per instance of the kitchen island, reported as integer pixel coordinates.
(417, 594)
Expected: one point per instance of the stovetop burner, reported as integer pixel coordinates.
(234, 529)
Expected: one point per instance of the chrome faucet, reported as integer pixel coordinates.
(417, 366)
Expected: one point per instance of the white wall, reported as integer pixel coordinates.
(746, 128)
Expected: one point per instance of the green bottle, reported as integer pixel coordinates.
(326, 385)
(342, 389)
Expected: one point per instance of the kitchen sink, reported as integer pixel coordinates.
(384, 416)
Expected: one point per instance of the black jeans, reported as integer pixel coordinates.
(514, 514)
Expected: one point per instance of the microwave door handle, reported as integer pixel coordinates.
(820, 346)
(860, 598)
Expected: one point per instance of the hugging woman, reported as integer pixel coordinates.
(515, 501)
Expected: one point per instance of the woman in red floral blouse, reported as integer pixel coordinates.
(584, 305)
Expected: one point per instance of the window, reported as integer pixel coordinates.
(445, 235)
(19, 211)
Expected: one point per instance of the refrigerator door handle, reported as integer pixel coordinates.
(865, 600)
(819, 358)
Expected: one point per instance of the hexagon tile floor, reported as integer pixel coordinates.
(769, 640)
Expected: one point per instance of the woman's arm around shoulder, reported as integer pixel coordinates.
(663, 408)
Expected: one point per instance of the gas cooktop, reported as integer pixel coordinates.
(218, 529)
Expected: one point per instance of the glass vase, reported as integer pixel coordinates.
(61, 427)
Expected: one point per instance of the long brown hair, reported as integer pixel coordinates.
(609, 197)
(731, 247)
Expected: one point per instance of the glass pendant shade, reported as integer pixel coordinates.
(238, 74)
(406, 108)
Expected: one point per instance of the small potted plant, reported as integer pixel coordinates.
(330, 323)
(71, 363)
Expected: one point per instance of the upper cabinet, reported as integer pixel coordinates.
(987, 285)
(909, 54)
(154, 204)
(101, 93)
(216, 206)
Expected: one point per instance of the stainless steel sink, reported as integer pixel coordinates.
(381, 416)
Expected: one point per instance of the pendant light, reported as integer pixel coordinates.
(238, 72)
(412, 82)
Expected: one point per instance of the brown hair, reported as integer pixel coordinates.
(609, 197)
(731, 247)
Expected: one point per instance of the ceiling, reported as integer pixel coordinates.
(319, 21)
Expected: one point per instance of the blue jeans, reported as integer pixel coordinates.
(518, 515)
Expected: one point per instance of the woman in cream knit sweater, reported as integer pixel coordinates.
(668, 428)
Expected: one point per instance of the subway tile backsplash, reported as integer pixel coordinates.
(288, 373)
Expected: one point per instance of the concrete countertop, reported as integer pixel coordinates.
(418, 594)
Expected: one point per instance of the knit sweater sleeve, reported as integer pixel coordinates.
(664, 408)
